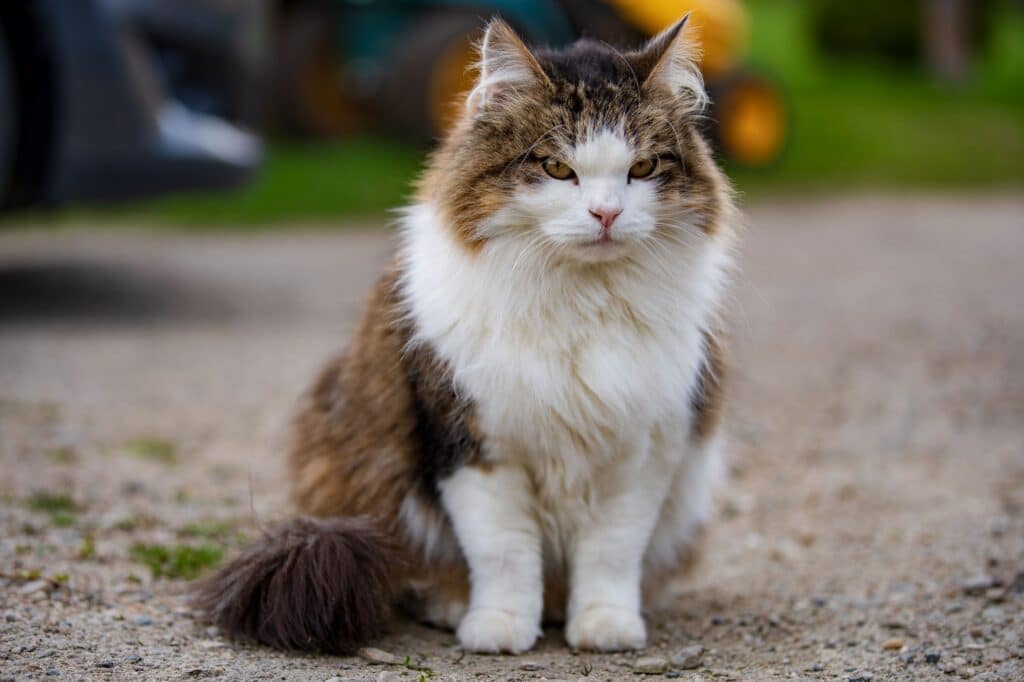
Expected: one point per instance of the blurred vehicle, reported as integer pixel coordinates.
(346, 64)
(118, 99)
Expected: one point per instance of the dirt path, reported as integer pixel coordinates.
(874, 528)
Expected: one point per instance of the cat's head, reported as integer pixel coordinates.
(588, 152)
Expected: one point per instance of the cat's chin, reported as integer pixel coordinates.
(600, 250)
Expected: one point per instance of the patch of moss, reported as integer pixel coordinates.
(157, 449)
(52, 503)
(88, 548)
(63, 519)
(135, 522)
(62, 455)
(177, 561)
(208, 530)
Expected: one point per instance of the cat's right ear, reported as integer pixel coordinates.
(507, 67)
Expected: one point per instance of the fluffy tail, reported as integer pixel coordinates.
(310, 584)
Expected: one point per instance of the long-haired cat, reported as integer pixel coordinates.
(525, 423)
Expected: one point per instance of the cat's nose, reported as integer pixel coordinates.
(606, 216)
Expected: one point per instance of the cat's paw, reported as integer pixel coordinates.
(444, 613)
(497, 631)
(606, 628)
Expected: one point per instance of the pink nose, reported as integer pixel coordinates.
(606, 216)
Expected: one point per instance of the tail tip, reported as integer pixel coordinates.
(308, 585)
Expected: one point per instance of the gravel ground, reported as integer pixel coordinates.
(873, 529)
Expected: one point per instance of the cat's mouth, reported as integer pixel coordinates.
(603, 248)
(604, 241)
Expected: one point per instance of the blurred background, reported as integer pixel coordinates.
(194, 201)
(317, 110)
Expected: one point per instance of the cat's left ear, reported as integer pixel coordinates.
(669, 62)
(507, 67)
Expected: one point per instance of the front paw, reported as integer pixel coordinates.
(606, 628)
(495, 631)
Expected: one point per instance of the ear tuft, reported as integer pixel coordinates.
(670, 62)
(506, 66)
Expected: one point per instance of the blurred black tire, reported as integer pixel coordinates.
(309, 92)
(8, 117)
(407, 105)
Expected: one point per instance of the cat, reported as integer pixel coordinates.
(525, 426)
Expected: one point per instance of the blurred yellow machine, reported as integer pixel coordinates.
(750, 113)
(349, 64)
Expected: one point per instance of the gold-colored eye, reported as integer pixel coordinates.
(558, 169)
(642, 168)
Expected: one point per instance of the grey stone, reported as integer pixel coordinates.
(688, 657)
(377, 656)
(650, 665)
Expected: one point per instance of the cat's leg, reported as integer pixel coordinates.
(674, 547)
(491, 510)
(607, 555)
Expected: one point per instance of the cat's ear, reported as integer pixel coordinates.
(506, 66)
(669, 62)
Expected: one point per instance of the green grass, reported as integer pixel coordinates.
(177, 561)
(865, 125)
(209, 530)
(62, 455)
(52, 503)
(310, 182)
(152, 448)
(63, 519)
(61, 508)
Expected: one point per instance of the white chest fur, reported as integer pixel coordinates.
(567, 366)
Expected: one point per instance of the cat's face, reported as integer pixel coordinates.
(587, 154)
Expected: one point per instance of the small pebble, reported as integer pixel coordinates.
(650, 665)
(133, 658)
(978, 584)
(994, 614)
(688, 657)
(932, 656)
(36, 586)
(335, 679)
(530, 665)
(860, 677)
(105, 664)
(893, 644)
(143, 620)
(53, 672)
(377, 656)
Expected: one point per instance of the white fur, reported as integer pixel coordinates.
(580, 360)
(677, 70)
(504, 65)
(492, 513)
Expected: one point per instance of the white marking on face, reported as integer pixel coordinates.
(599, 214)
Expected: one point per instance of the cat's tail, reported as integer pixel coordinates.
(309, 584)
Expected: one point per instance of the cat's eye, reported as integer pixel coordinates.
(559, 170)
(642, 168)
